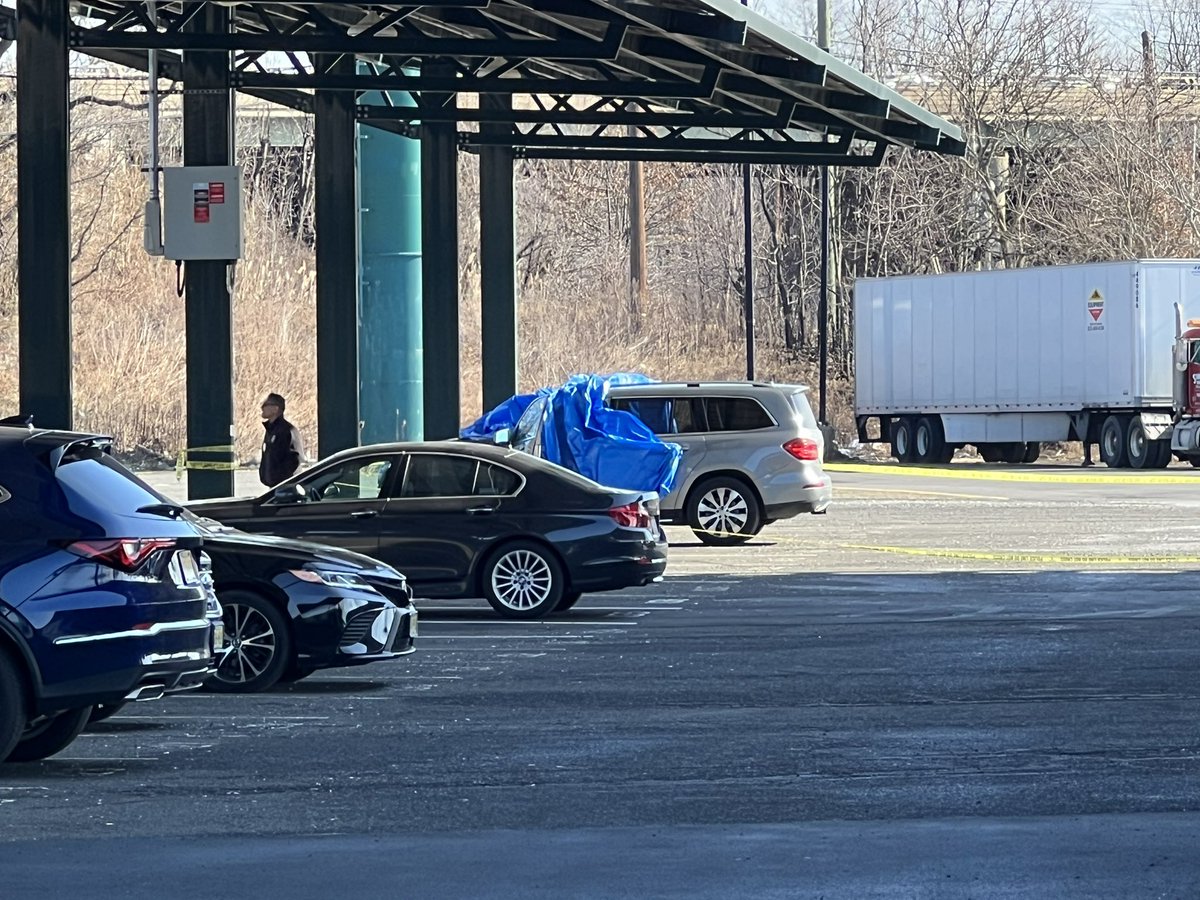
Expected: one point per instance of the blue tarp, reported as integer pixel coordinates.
(580, 432)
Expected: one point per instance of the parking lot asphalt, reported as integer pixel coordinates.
(942, 688)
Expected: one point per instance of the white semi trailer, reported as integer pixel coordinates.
(1005, 360)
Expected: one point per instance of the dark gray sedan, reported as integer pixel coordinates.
(467, 520)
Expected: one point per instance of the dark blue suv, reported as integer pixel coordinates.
(101, 594)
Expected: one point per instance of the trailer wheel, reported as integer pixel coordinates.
(989, 453)
(1194, 462)
(1140, 451)
(1114, 449)
(1033, 450)
(929, 445)
(902, 439)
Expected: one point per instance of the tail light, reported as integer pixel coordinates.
(125, 554)
(631, 515)
(803, 448)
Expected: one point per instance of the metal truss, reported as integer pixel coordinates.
(604, 78)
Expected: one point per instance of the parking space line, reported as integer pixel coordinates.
(228, 718)
(496, 637)
(538, 623)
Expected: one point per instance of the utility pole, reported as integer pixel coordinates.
(637, 237)
(823, 300)
(747, 266)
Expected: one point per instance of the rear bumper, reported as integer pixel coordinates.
(158, 671)
(815, 499)
(633, 564)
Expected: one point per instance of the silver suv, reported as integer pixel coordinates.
(751, 453)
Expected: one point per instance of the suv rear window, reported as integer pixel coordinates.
(735, 414)
(803, 408)
(103, 483)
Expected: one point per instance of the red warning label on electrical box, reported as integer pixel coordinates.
(216, 192)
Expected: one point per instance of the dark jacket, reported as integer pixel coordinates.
(281, 452)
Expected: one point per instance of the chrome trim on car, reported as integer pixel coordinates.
(151, 659)
(156, 628)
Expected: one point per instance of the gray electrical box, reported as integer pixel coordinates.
(202, 212)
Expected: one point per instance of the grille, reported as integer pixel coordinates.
(358, 628)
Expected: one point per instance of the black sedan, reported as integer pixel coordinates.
(467, 520)
(292, 607)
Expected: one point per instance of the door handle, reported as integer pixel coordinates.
(364, 514)
(481, 510)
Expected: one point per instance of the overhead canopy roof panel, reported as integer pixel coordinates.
(652, 79)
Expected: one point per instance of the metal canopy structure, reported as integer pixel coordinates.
(613, 79)
(660, 80)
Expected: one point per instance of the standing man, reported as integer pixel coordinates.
(282, 450)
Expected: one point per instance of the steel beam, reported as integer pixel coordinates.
(707, 157)
(207, 136)
(594, 115)
(87, 40)
(439, 242)
(497, 258)
(335, 159)
(427, 83)
(44, 213)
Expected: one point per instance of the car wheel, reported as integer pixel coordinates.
(724, 511)
(102, 711)
(569, 599)
(258, 645)
(47, 735)
(523, 581)
(1113, 449)
(12, 705)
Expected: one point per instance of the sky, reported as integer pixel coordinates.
(1123, 18)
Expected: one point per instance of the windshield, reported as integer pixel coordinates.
(528, 425)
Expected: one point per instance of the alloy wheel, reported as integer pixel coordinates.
(522, 579)
(723, 511)
(252, 644)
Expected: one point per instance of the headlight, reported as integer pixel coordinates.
(332, 579)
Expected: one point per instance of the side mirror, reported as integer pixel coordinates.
(290, 493)
(502, 437)
(1181, 356)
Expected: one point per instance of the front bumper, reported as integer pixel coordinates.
(344, 626)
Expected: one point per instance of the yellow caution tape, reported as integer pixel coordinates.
(1076, 558)
(184, 460)
(841, 490)
(971, 471)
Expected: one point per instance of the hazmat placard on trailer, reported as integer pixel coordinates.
(1095, 306)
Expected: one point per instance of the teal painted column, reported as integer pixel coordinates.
(391, 360)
